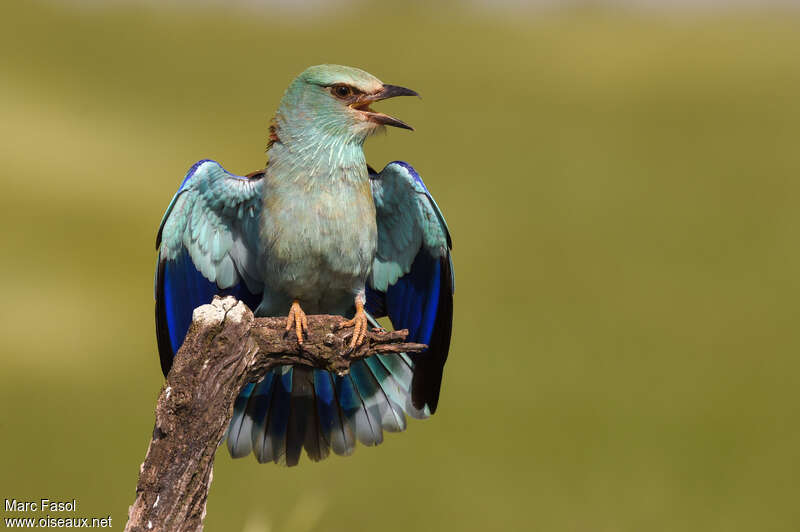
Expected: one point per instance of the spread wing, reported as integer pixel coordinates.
(412, 275)
(207, 244)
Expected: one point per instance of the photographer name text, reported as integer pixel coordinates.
(42, 505)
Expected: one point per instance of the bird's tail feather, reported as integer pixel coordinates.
(295, 407)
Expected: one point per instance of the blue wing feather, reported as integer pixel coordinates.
(239, 428)
(280, 409)
(413, 301)
(413, 238)
(258, 409)
(332, 414)
(418, 179)
(180, 286)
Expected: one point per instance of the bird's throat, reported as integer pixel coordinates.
(315, 160)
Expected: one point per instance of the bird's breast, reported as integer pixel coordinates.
(322, 239)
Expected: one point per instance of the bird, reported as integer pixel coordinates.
(317, 231)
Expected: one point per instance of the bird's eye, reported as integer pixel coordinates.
(342, 91)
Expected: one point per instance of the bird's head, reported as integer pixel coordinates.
(334, 100)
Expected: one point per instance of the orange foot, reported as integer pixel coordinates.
(297, 319)
(360, 322)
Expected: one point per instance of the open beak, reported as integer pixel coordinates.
(388, 91)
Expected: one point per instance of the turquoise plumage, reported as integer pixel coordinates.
(317, 231)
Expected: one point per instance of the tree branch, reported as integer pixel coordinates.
(226, 348)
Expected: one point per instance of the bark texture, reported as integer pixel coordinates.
(226, 347)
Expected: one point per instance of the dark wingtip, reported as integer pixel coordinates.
(429, 366)
(162, 327)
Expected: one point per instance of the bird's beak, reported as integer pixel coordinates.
(388, 91)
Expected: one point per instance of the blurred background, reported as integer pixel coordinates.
(621, 181)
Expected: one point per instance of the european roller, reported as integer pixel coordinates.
(317, 231)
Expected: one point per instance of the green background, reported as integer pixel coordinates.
(622, 189)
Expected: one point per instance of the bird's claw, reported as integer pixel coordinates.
(360, 323)
(297, 320)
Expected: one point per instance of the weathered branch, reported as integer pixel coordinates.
(225, 348)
